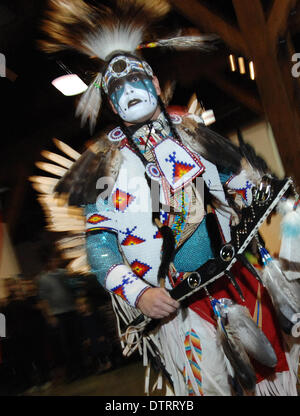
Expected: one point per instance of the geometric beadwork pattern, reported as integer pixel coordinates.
(140, 268)
(180, 220)
(121, 199)
(241, 185)
(131, 239)
(96, 219)
(119, 290)
(122, 281)
(127, 280)
(157, 235)
(164, 217)
(192, 340)
(179, 168)
(243, 191)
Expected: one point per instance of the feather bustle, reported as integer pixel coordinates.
(208, 143)
(43, 188)
(61, 217)
(45, 180)
(60, 160)
(51, 168)
(255, 165)
(80, 183)
(65, 148)
(69, 242)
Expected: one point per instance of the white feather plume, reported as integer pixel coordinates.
(120, 37)
(203, 42)
(90, 103)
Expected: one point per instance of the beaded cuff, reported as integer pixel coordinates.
(123, 282)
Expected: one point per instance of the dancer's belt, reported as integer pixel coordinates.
(265, 199)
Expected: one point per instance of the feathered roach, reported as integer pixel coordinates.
(208, 143)
(99, 32)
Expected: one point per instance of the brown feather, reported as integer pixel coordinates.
(66, 23)
(237, 357)
(211, 145)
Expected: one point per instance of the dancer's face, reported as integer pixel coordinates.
(134, 97)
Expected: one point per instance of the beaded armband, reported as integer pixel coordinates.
(123, 282)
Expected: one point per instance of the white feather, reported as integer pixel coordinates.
(49, 167)
(124, 38)
(90, 103)
(285, 206)
(65, 148)
(78, 264)
(69, 242)
(48, 201)
(66, 228)
(60, 160)
(43, 180)
(204, 42)
(74, 253)
(64, 211)
(43, 188)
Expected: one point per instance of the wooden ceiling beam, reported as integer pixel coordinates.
(211, 22)
(241, 95)
(278, 105)
(278, 19)
(294, 20)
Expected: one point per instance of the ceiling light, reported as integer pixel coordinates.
(242, 65)
(232, 63)
(69, 84)
(252, 70)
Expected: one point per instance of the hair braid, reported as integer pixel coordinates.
(168, 118)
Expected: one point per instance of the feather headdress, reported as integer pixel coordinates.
(102, 32)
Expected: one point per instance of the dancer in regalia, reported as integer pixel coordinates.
(170, 209)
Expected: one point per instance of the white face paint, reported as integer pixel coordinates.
(134, 98)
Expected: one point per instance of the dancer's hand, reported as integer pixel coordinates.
(157, 303)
